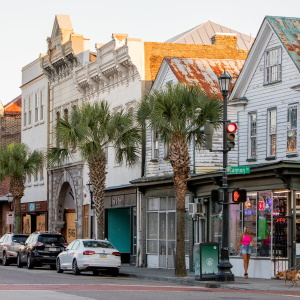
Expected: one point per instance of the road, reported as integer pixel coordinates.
(45, 284)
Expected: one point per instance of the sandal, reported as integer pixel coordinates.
(246, 275)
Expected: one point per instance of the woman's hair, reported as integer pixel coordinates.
(245, 228)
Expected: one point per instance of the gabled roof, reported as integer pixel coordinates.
(288, 31)
(204, 72)
(203, 33)
(14, 107)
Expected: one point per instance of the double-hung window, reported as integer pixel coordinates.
(292, 121)
(29, 111)
(25, 113)
(36, 104)
(252, 136)
(272, 132)
(155, 145)
(41, 105)
(273, 65)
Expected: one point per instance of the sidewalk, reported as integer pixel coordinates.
(240, 283)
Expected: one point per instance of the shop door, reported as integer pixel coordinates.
(119, 230)
(166, 239)
(69, 231)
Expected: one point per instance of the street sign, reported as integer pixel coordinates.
(10, 216)
(238, 170)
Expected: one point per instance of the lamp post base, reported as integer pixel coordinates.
(224, 267)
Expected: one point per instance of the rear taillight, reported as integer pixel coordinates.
(116, 253)
(39, 244)
(65, 244)
(88, 252)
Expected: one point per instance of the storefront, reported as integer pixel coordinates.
(34, 216)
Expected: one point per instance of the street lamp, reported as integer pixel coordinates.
(10, 198)
(90, 188)
(224, 266)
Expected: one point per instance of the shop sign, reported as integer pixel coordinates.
(117, 200)
(31, 207)
(10, 217)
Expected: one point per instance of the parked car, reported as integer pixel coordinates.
(41, 248)
(9, 246)
(89, 255)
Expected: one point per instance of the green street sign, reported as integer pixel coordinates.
(238, 170)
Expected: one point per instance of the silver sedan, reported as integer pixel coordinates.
(89, 255)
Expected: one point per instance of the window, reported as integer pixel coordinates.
(66, 114)
(42, 105)
(292, 128)
(24, 114)
(273, 65)
(252, 136)
(36, 105)
(29, 111)
(155, 145)
(272, 129)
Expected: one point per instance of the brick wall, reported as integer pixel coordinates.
(224, 47)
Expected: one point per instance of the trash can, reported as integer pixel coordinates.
(206, 260)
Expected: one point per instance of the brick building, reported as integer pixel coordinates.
(10, 120)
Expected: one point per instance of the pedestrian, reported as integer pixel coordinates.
(245, 240)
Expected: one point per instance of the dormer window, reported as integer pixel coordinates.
(273, 65)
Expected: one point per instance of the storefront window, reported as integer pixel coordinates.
(264, 213)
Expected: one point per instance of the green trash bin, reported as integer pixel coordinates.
(206, 260)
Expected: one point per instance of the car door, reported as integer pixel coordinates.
(23, 249)
(63, 256)
(1, 245)
(70, 254)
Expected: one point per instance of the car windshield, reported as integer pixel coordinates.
(19, 238)
(97, 244)
(51, 239)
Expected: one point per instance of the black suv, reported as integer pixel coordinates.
(41, 248)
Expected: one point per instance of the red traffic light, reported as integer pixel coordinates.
(231, 128)
(239, 195)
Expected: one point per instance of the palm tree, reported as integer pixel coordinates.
(176, 113)
(16, 162)
(90, 129)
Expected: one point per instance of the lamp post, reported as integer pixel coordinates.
(224, 266)
(90, 188)
(10, 198)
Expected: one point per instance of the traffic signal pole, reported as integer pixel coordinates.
(224, 267)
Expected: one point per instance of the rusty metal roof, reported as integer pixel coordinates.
(288, 31)
(204, 72)
(203, 33)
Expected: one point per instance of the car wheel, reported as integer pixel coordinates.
(19, 262)
(114, 272)
(5, 261)
(75, 269)
(58, 269)
(30, 264)
(96, 272)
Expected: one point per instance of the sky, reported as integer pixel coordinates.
(25, 24)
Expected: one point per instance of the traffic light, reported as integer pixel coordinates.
(215, 195)
(231, 128)
(239, 195)
(207, 130)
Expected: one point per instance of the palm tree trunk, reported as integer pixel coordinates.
(17, 210)
(180, 161)
(98, 176)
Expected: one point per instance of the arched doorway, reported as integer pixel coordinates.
(67, 203)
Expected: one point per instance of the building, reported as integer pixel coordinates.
(267, 97)
(10, 120)
(34, 133)
(158, 195)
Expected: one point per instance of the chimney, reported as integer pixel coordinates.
(228, 39)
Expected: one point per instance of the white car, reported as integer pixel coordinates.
(89, 255)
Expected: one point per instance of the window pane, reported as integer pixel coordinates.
(153, 203)
(163, 203)
(171, 226)
(152, 230)
(162, 225)
(171, 203)
(152, 247)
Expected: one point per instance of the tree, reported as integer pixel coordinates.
(176, 113)
(16, 162)
(90, 129)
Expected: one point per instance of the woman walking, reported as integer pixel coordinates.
(245, 240)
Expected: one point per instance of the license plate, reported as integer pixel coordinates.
(52, 249)
(103, 256)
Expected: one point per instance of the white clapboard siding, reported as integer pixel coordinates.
(261, 98)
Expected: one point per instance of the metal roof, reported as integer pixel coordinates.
(203, 33)
(288, 31)
(204, 72)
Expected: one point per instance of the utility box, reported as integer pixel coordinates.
(206, 260)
